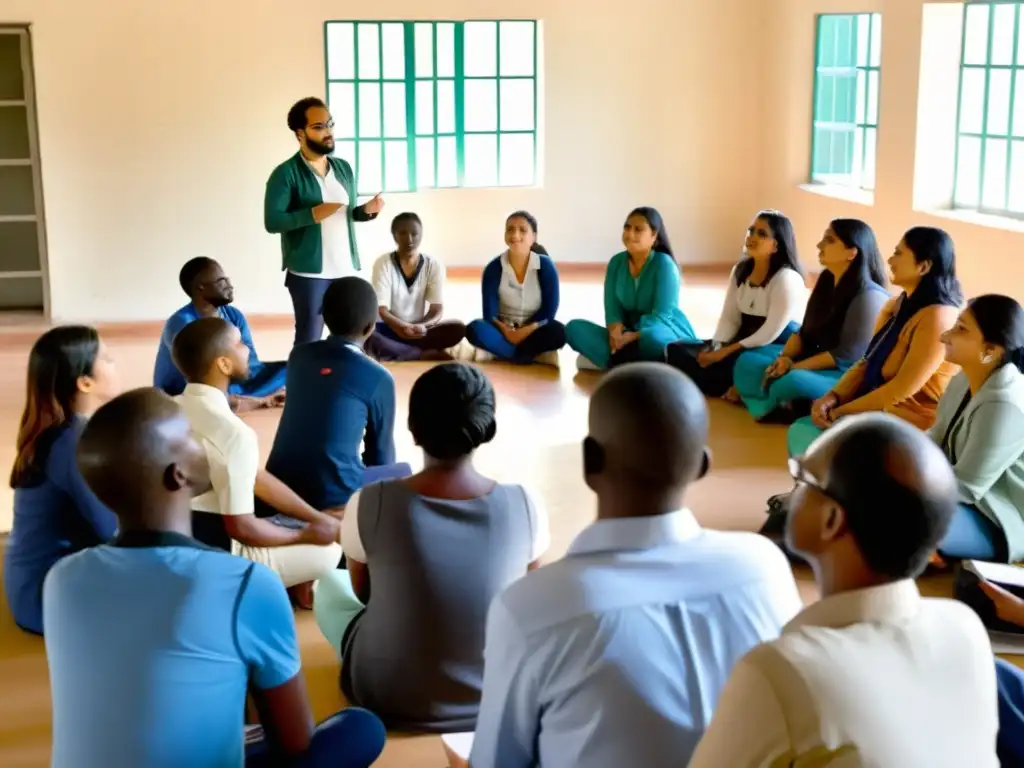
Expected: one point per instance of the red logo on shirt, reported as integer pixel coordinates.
(325, 371)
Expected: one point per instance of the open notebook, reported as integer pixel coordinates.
(460, 744)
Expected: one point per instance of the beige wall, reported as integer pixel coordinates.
(160, 121)
(989, 254)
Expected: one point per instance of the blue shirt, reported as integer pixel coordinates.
(616, 654)
(52, 520)
(151, 643)
(337, 398)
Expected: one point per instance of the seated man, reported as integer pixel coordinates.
(337, 398)
(615, 655)
(873, 674)
(211, 353)
(154, 640)
(211, 294)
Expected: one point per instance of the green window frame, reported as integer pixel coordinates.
(434, 104)
(847, 78)
(989, 165)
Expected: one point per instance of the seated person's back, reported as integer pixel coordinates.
(337, 398)
(616, 654)
(439, 545)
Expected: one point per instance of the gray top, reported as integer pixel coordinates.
(859, 325)
(415, 656)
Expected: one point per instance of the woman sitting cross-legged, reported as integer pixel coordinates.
(903, 371)
(641, 300)
(980, 428)
(70, 375)
(835, 332)
(520, 300)
(410, 289)
(765, 299)
(435, 548)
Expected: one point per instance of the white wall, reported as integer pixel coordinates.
(160, 121)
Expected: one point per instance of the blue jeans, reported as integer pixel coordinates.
(308, 302)
(352, 738)
(264, 380)
(1010, 689)
(483, 334)
(972, 536)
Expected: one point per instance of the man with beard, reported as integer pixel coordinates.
(211, 294)
(310, 201)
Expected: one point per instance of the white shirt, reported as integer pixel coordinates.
(615, 655)
(404, 301)
(337, 250)
(877, 677)
(781, 302)
(352, 544)
(518, 302)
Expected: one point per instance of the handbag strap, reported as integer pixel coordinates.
(947, 447)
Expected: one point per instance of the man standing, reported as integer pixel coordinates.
(310, 202)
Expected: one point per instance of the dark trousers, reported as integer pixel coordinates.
(308, 303)
(352, 738)
(386, 345)
(483, 334)
(1010, 687)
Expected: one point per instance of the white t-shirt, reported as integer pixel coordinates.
(404, 301)
(780, 302)
(337, 250)
(352, 544)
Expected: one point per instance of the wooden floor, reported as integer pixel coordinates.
(541, 421)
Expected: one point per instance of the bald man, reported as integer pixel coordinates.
(615, 655)
(873, 674)
(154, 639)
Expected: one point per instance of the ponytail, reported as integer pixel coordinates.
(538, 248)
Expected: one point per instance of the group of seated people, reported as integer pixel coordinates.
(652, 642)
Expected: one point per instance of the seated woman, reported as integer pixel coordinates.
(211, 293)
(980, 428)
(836, 329)
(641, 300)
(520, 298)
(765, 299)
(903, 371)
(434, 549)
(70, 375)
(410, 289)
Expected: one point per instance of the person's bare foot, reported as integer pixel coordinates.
(241, 404)
(302, 595)
(732, 396)
(1008, 606)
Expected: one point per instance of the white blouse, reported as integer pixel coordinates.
(780, 302)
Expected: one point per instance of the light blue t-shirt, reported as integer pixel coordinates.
(152, 641)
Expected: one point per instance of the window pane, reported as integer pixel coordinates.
(394, 110)
(424, 163)
(846, 99)
(424, 47)
(1018, 105)
(341, 98)
(870, 149)
(425, 107)
(516, 105)
(976, 34)
(876, 40)
(445, 50)
(822, 152)
(972, 100)
(369, 110)
(516, 160)
(346, 150)
(481, 160)
(873, 98)
(396, 166)
(863, 30)
(481, 105)
(446, 106)
(968, 172)
(480, 48)
(369, 174)
(825, 108)
(862, 95)
(447, 162)
(998, 102)
(1020, 48)
(842, 152)
(993, 192)
(846, 42)
(393, 36)
(516, 47)
(1016, 201)
(1002, 34)
(341, 60)
(369, 51)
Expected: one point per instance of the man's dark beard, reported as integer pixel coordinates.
(220, 301)
(320, 149)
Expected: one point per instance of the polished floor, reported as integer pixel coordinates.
(542, 415)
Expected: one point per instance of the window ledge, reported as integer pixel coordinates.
(990, 220)
(837, 192)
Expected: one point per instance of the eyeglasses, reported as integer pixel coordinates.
(322, 126)
(801, 475)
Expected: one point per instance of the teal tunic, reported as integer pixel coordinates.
(647, 304)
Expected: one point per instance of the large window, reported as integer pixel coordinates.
(990, 124)
(846, 77)
(420, 104)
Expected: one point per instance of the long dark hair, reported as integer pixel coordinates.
(940, 284)
(58, 359)
(654, 220)
(530, 219)
(785, 256)
(829, 301)
(1001, 322)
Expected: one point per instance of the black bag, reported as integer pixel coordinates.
(774, 527)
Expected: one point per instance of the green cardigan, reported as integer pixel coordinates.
(986, 447)
(292, 193)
